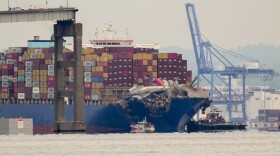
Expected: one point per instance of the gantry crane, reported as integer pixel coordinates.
(215, 67)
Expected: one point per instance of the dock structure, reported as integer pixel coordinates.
(65, 26)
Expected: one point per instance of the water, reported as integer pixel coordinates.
(236, 143)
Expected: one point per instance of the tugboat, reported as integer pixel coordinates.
(214, 122)
(142, 127)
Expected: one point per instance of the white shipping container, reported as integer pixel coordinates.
(14, 50)
(51, 72)
(28, 84)
(87, 79)
(50, 96)
(35, 90)
(28, 79)
(36, 96)
(28, 63)
(50, 90)
(21, 95)
(50, 67)
(87, 74)
(15, 79)
(32, 56)
(20, 58)
(28, 74)
(28, 69)
(71, 78)
(87, 69)
(38, 51)
(5, 78)
(5, 84)
(36, 84)
(272, 119)
(14, 61)
(15, 69)
(95, 97)
(9, 61)
(87, 63)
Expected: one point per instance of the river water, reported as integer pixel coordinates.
(247, 143)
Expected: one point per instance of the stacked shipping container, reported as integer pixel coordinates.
(144, 66)
(29, 73)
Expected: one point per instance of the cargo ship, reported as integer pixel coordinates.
(121, 81)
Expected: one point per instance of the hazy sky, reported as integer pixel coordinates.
(228, 23)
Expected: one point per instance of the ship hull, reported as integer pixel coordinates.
(112, 118)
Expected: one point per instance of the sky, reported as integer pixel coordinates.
(230, 23)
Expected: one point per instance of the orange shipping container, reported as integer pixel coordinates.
(145, 56)
(154, 74)
(145, 62)
(43, 72)
(36, 72)
(105, 75)
(149, 56)
(154, 62)
(135, 57)
(71, 72)
(21, 72)
(150, 68)
(110, 57)
(36, 78)
(43, 78)
(48, 61)
(44, 84)
(43, 90)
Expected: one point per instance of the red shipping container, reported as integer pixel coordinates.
(43, 96)
(4, 90)
(110, 68)
(87, 84)
(37, 62)
(48, 56)
(21, 67)
(50, 78)
(28, 90)
(140, 62)
(110, 63)
(71, 84)
(45, 50)
(145, 68)
(179, 56)
(43, 66)
(87, 90)
(50, 83)
(172, 55)
(87, 97)
(11, 56)
(21, 84)
(105, 68)
(21, 89)
(135, 63)
(15, 85)
(15, 74)
(7, 66)
(125, 73)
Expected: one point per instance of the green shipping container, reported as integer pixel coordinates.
(21, 78)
